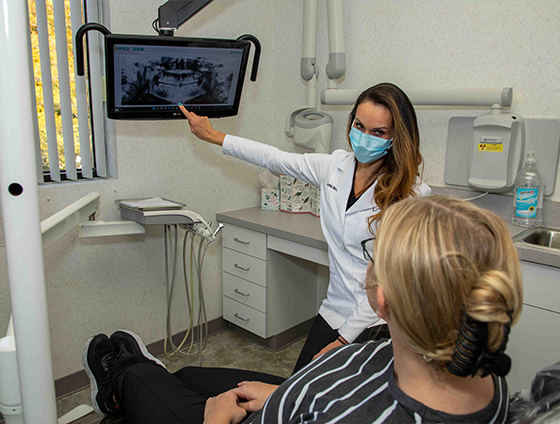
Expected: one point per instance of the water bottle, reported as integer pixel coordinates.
(528, 194)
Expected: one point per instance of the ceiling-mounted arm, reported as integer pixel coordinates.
(79, 59)
(174, 13)
(257, 55)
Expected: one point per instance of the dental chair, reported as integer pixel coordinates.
(540, 404)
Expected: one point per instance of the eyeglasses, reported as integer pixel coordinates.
(367, 247)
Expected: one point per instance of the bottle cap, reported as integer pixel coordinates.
(530, 158)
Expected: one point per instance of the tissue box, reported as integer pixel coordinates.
(298, 197)
(315, 200)
(270, 199)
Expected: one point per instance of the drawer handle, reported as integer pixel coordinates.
(242, 242)
(242, 319)
(241, 293)
(241, 268)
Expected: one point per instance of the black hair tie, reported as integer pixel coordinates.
(470, 354)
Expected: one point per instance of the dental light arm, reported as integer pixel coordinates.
(336, 68)
(63, 221)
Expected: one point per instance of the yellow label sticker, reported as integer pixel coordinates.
(486, 147)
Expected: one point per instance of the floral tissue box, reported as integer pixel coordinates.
(298, 197)
(270, 199)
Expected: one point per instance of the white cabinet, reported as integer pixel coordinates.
(264, 291)
(534, 343)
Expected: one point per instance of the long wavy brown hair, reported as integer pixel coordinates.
(397, 175)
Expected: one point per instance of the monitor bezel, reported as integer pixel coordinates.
(214, 111)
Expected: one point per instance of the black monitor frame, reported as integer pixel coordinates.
(170, 111)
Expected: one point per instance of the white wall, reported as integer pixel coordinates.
(100, 285)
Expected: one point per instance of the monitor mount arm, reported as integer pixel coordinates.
(174, 13)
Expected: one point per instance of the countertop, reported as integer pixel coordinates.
(306, 228)
(302, 228)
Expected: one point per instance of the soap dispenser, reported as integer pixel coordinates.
(528, 195)
(497, 150)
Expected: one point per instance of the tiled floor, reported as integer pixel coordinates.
(224, 349)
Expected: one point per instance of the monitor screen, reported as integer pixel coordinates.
(148, 76)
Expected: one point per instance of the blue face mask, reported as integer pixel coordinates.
(368, 148)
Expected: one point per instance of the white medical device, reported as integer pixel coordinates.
(159, 211)
(310, 129)
(497, 150)
(172, 215)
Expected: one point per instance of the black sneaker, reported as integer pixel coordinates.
(98, 359)
(132, 343)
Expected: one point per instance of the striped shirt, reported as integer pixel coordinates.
(355, 384)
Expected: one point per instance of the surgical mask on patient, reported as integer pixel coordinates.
(368, 148)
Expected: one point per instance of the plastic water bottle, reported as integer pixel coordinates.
(528, 194)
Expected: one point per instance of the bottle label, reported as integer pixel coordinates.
(526, 202)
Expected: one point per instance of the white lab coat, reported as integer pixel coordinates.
(346, 307)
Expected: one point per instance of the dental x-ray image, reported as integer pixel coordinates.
(172, 80)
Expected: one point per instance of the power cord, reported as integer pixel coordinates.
(476, 197)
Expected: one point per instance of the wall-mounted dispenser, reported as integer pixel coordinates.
(475, 156)
(310, 129)
(497, 150)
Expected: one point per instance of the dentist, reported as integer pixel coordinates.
(356, 189)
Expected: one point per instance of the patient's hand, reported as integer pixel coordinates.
(256, 394)
(328, 347)
(224, 409)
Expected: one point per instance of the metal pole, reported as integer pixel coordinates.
(20, 212)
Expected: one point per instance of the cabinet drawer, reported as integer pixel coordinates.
(244, 266)
(245, 317)
(245, 241)
(541, 286)
(244, 292)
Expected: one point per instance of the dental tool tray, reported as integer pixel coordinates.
(156, 211)
(149, 204)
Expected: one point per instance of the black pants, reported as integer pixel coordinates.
(148, 393)
(321, 334)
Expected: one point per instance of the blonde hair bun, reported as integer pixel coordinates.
(436, 257)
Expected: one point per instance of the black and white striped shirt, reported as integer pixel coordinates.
(355, 384)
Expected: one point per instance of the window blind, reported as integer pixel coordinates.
(71, 113)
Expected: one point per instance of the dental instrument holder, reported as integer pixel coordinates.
(497, 150)
(168, 216)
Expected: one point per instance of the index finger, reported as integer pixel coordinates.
(184, 110)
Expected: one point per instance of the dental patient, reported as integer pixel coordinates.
(445, 277)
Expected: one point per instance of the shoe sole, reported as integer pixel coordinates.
(92, 380)
(143, 347)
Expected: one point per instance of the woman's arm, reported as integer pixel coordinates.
(340, 341)
(361, 318)
(310, 168)
(202, 128)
